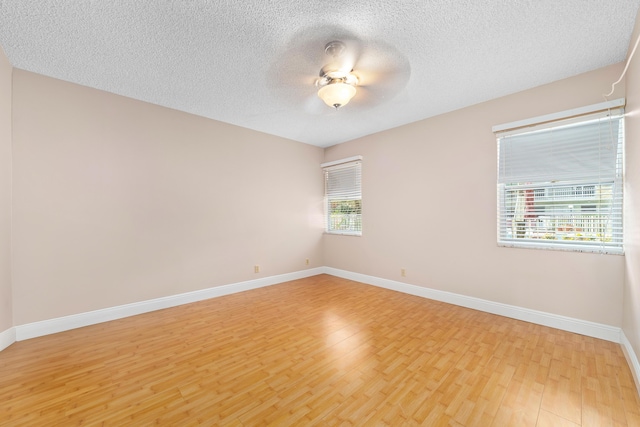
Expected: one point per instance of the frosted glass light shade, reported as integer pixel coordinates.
(336, 94)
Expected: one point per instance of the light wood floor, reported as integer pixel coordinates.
(317, 351)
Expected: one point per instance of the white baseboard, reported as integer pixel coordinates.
(52, 326)
(596, 330)
(632, 359)
(7, 338)
(583, 327)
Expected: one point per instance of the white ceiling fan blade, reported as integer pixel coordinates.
(315, 106)
(383, 71)
(347, 61)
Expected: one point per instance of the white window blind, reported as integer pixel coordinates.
(343, 196)
(560, 184)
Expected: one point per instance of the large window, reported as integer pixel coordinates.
(560, 182)
(343, 196)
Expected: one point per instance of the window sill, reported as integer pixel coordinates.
(562, 247)
(344, 233)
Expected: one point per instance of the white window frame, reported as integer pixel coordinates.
(579, 210)
(343, 183)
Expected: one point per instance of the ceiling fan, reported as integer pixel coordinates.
(337, 82)
(349, 70)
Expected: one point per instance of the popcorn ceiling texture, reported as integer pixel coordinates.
(253, 63)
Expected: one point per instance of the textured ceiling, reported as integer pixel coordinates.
(253, 63)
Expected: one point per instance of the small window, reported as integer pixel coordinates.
(560, 183)
(343, 196)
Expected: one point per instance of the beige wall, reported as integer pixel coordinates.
(631, 323)
(117, 201)
(429, 206)
(6, 311)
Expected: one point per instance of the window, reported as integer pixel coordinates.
(560, 182)
(343, 198)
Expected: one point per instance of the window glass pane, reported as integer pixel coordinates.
(579, 213)
(345, 215)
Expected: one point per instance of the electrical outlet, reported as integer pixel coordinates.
(403, 273)
(256, 269)
(306, 261)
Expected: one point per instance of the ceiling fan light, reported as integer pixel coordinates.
(336, 94)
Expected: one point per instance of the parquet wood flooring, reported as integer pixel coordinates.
(317, 351)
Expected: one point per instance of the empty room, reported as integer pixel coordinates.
(278, 213)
